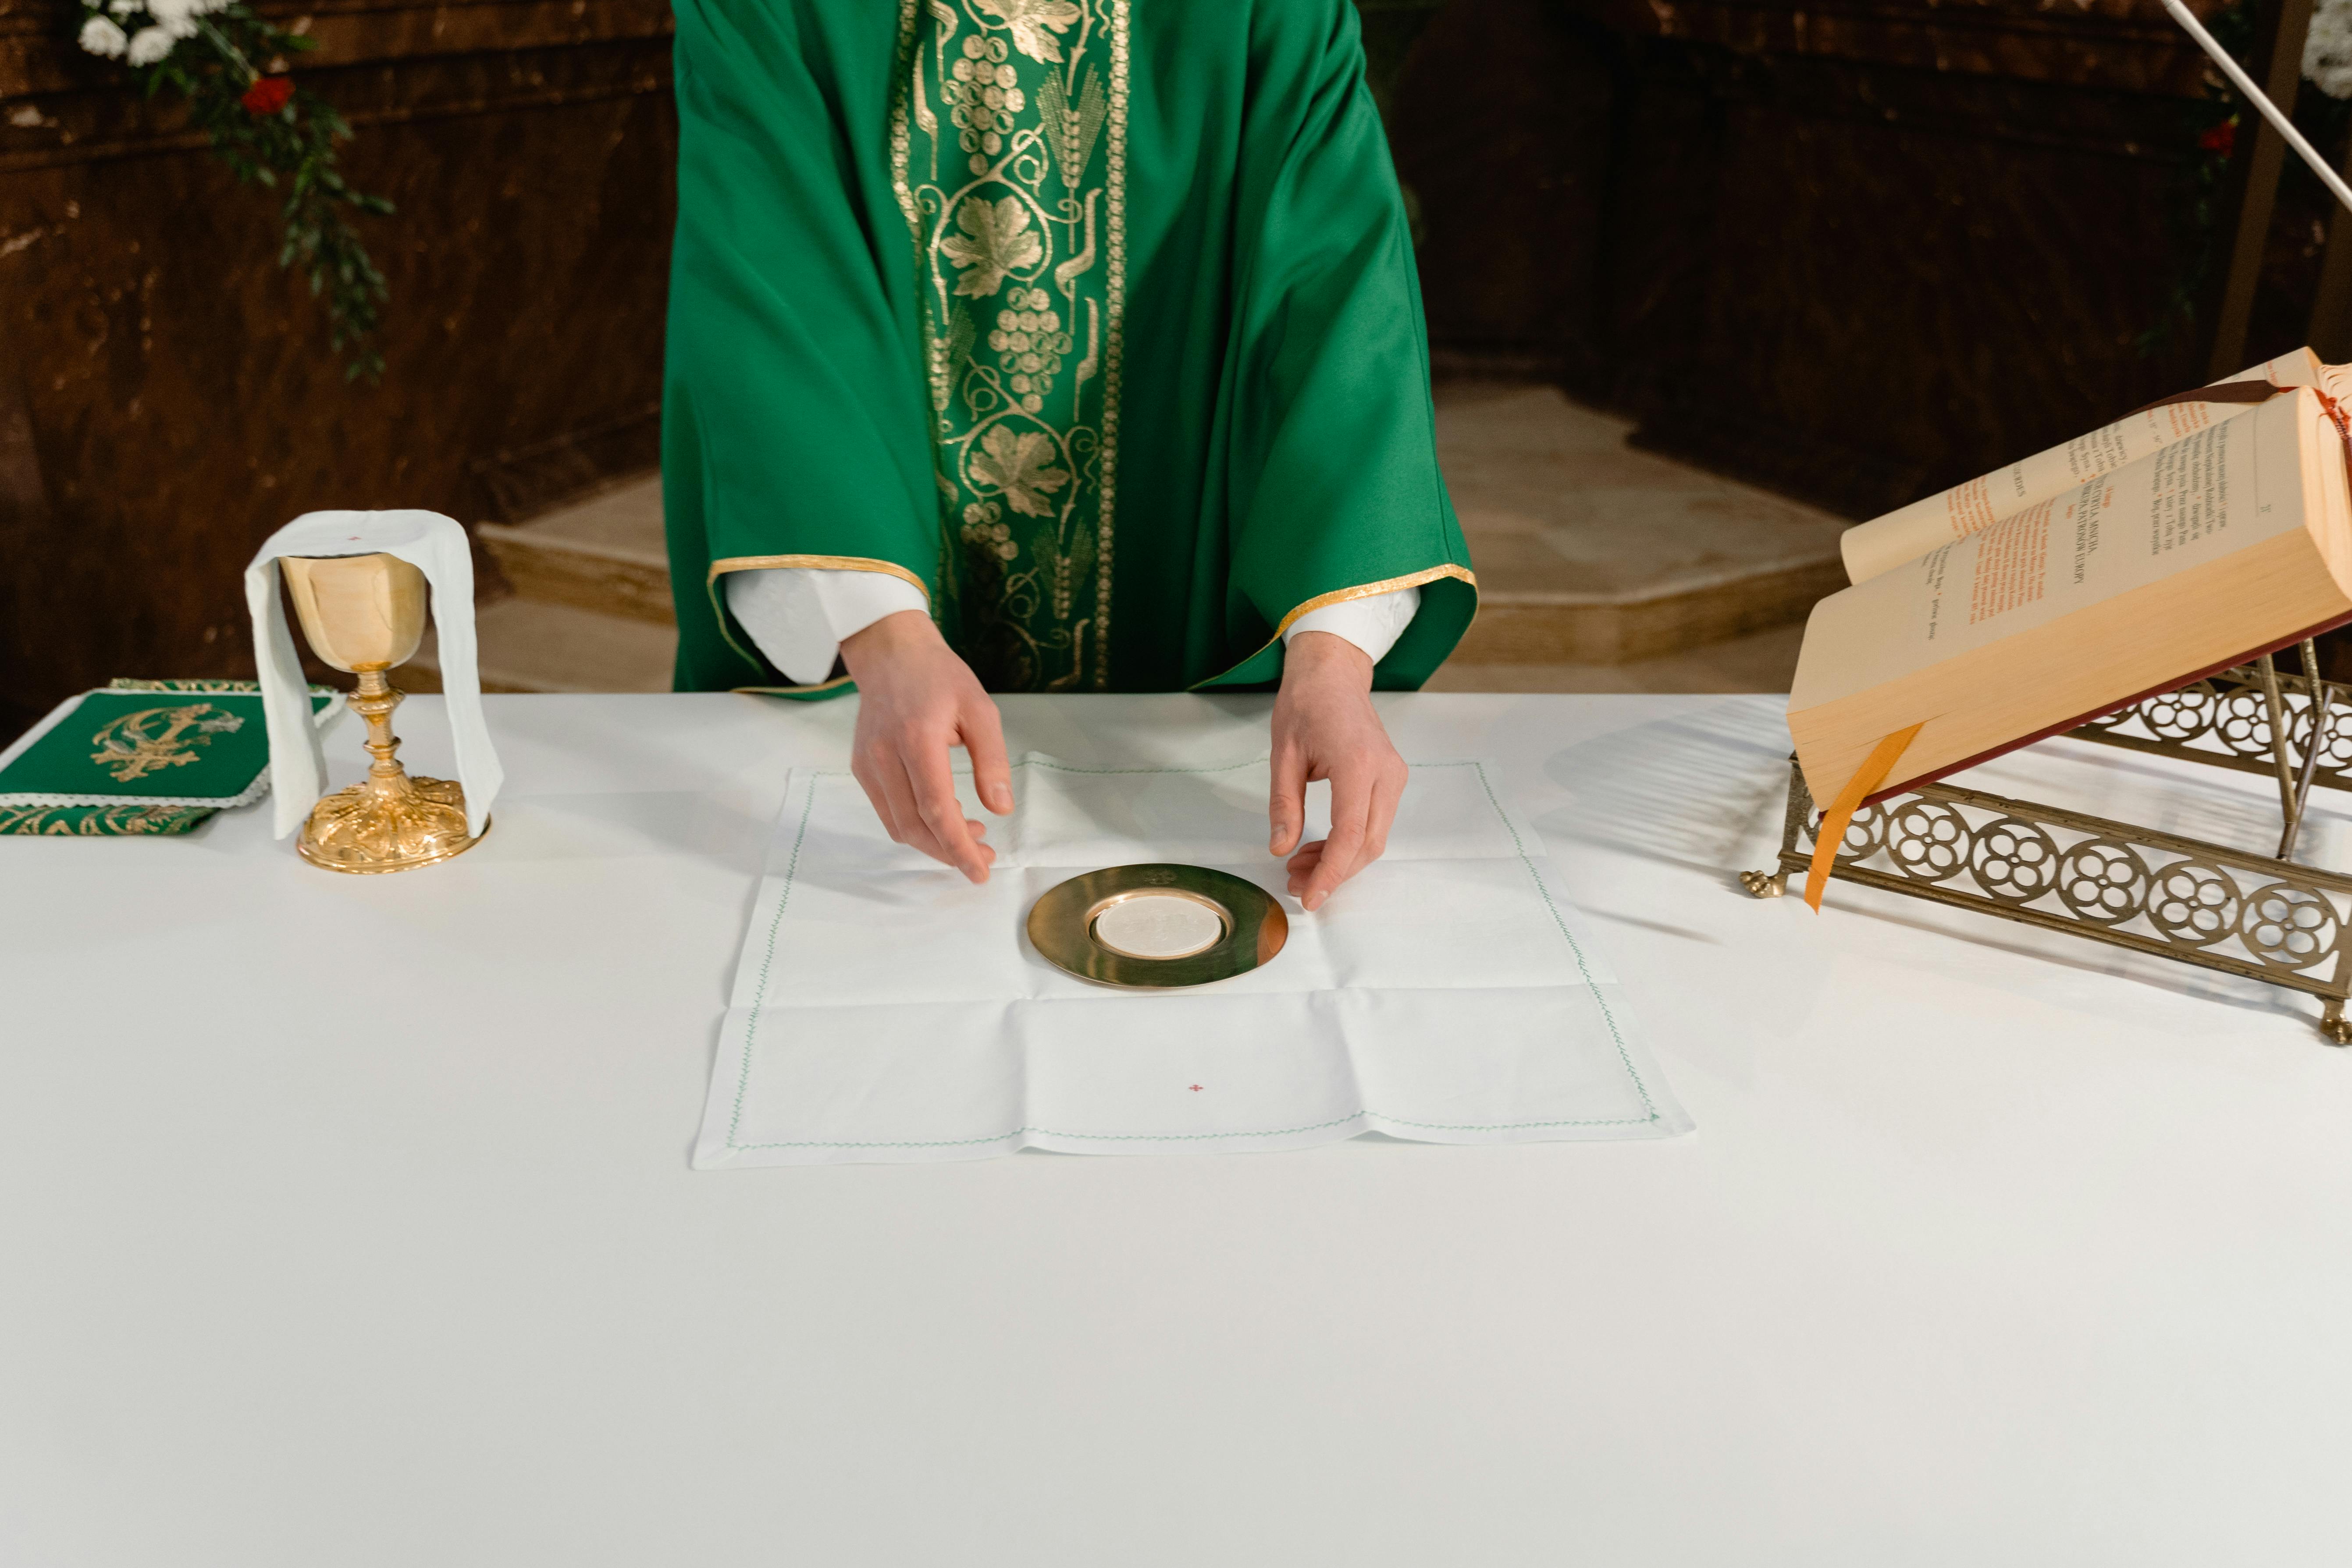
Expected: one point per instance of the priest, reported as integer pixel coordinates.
(1052, 345)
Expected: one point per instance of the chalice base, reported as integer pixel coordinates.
(365, 829)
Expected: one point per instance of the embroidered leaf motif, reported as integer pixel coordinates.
(1021, 467)
(1029, 20)
(996, 239)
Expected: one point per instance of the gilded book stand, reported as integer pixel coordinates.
(2263, 917)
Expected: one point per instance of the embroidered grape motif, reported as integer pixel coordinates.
(1029, 343)
(983, 98)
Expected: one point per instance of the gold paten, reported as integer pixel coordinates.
(363, 615)
(1062, 926)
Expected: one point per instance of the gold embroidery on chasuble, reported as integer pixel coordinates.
(1008, 146)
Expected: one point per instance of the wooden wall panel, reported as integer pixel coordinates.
(1856, 252)
(1900, 300)
(180, 397)
(1501, 133)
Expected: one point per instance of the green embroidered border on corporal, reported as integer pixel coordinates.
(1008, 145)
(140, 757)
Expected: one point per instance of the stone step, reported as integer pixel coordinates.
(554, 647)
(529, 645)
(604, 553)
(1590, 555)
(1761, 661)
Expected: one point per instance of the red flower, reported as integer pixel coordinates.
(2222, 138)
(267, 95)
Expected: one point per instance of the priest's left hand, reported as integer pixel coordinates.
(1325, 728)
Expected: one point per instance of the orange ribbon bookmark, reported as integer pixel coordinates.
(1866, 778)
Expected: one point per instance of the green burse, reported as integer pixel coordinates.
(140, 757)
(1096, 320)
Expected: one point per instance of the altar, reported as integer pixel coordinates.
(351, 1219)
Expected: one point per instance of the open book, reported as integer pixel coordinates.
(1908, 532)
(2166, 545)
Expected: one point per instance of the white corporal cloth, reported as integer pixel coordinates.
(884, 1009)
(436, 546)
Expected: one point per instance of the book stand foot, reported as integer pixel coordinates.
(2262, 916)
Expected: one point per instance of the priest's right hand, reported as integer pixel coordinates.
(916, 702)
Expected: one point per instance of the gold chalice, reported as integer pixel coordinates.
(365, 613)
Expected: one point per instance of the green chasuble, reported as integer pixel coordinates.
(1096, 319)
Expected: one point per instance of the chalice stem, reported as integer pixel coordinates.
(374, 701)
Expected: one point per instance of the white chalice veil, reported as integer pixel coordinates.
(434, 545)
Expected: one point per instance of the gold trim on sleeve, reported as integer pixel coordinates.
(816, 563)
(806, 562)
(1367, 591)
(838, 680)
(1341, 597)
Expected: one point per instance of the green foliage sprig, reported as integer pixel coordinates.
(229, 65)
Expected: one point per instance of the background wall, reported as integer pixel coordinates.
(1856, 250)
(167, 396)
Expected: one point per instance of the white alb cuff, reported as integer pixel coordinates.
(1373, 623)
(799, 615)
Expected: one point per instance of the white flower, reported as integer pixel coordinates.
(101, 36)
(123, 7)
(2328, 48)
(177, 18)
(150, 45)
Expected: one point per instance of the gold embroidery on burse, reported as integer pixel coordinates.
(153, 739)
(1013, 198)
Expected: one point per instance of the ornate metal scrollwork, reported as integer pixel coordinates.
(2243, 725)
(1866, 834)
(2181, 715)
(2225, 719)
(2288, 926)
(2102, 881)
(2334, 748)
(2016, 861)
(1929, 841)
(2206, 904)
(2193, 902)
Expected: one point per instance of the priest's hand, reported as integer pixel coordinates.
(916, 702)
(1325, 728)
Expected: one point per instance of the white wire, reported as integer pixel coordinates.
(2236, 73)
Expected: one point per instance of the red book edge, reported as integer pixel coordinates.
(2059, 729)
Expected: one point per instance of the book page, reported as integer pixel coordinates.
(1908, 532)
(2219, 490)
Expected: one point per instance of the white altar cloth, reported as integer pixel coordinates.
(348, 1220)
(884, 1009)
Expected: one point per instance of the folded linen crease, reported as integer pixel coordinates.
(884, 1010)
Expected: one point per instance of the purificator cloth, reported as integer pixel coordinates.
(884, 1009)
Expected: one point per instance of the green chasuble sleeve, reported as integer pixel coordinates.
(1097, 318)
(794, 427)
